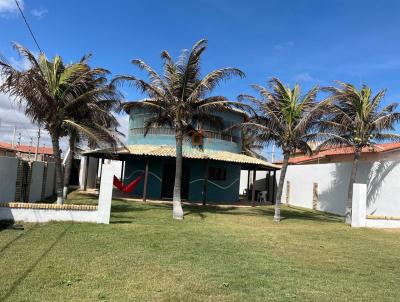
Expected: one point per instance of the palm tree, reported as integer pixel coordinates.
(357, 120)
(284, 117)
(180, 98)
(93, 110)
(252, 145)
(49, 90)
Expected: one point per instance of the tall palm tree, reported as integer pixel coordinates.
(252, 145)
(48, 90)
(357, 120)
(93, 109)
(284, 117)
(180, 98)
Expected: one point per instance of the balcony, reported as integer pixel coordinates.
(168, 131)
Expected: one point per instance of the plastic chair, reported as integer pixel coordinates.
(262, 196)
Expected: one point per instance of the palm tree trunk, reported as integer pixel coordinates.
(277, 216)
(57, 159)
(68, 165)
(177, 211)
(353, 176)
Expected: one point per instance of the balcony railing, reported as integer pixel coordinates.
(168, 131)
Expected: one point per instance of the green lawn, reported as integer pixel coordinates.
(215, 254)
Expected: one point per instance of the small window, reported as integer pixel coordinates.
(216, 173)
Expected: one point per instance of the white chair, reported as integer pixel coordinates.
(262, 196)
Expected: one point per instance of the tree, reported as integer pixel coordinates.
(284, 117)
(180, 98)
(48, 90)
(93, 113)
(357, 120)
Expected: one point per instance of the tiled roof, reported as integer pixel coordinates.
(26, 148)
(169, 151)
(344, 151)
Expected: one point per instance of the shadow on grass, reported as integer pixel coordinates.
(6, 225)
(17, 282)
(286, 213)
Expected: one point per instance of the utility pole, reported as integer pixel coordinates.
(19, 142)
(273, 154)
(30, 148)
(13, 138)
(37, 145)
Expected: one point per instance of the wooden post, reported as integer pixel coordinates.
(253, 192)
(122, 170)
(205, 184)
(273, 187)
(315, 196)
(146, 176)
(86, 172)
(287, 192)
(267, 188)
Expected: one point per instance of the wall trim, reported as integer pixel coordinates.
(215, 184)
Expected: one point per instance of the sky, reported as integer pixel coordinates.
(307, 42)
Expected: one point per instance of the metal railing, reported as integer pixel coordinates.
(169, 131)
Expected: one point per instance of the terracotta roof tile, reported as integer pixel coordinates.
(26, 148)
(343, 151)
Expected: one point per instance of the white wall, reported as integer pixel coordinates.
(382, 179)
(35, 189)
(8, 178)
(260, 180)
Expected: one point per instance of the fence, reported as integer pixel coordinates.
(324, 187)
(23, 181)
(42, 212)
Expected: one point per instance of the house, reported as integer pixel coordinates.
(321, 181)
(211, 165)
(346, 154)
(26, 152)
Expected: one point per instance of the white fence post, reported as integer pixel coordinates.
(359, 208)
(105, 195)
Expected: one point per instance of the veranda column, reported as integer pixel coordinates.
(205, 184)
(146, 175)
(86, 172)
(253, 192)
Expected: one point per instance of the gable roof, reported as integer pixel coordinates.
(26, 148)
(380, 148)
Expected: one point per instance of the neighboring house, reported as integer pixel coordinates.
(386, 151)
(26, 152)
(321, 181)
(211, 170)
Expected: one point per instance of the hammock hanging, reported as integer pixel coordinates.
(129, 187)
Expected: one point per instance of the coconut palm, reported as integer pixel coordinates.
(252, 145)
(357, 120)
(286, 118)
(180, 98)
(49, 91)
(93, 110)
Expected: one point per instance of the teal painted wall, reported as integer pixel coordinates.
(227, 191)
(138, 117)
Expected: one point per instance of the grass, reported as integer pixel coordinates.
(215, 254)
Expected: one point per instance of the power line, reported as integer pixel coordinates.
(29, 28)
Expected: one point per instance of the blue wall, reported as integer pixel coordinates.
(226, 191)
(138, 116)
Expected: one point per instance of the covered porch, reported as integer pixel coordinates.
(211, 176)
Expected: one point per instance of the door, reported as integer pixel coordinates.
(168, 181)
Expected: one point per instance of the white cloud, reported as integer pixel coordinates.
(304, 77)
(39, 13)
(9, 7)
(284, 46)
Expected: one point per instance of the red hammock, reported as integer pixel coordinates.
(129, 187)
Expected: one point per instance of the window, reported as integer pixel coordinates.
(216, 173)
